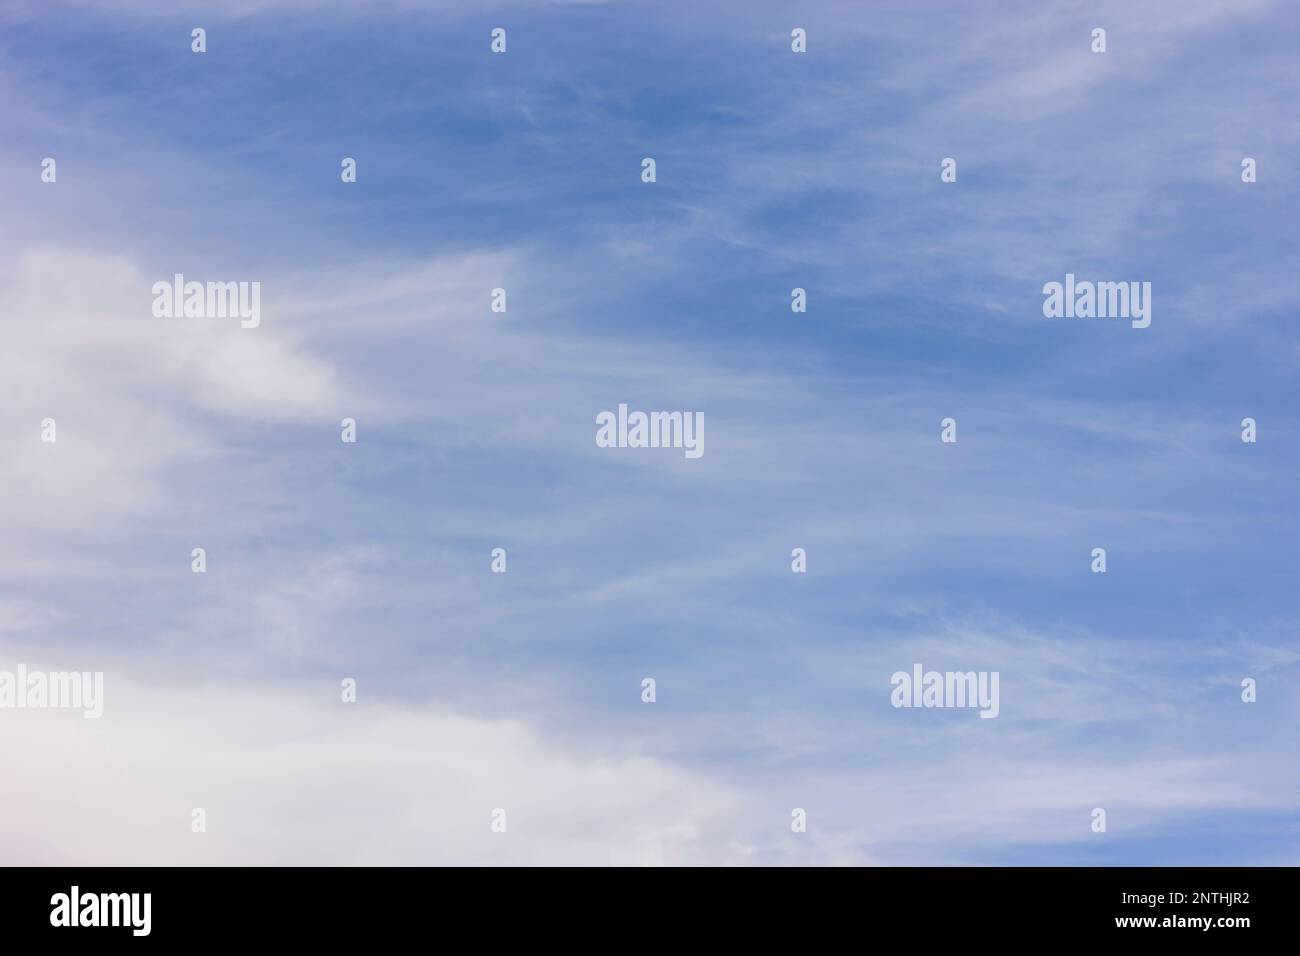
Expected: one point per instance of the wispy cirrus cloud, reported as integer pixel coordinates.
(476, 431)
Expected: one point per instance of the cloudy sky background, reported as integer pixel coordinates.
(476, 431)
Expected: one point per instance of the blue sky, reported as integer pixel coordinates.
(476, 431)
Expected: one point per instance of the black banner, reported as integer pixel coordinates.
(147, 906)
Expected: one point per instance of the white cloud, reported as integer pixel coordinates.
(290, 780)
